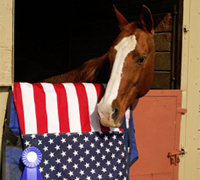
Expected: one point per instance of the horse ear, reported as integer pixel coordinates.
(121, 19)
(147, 20)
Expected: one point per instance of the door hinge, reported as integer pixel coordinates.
(174, 156)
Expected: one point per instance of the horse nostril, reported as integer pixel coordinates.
(115, 113)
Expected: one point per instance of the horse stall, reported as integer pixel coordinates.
(46, 38)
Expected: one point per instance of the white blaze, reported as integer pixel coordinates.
(123, 48)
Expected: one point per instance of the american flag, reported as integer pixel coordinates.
(61, 121)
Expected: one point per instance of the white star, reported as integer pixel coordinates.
(71, 173)
(58, 174)
(88, 178)
(41, 169)
(107, 150)
(45, 148)
(117, 148)
(87, 152)
(120, 142)
(114, 168)
(33, 136)
(51, 154)
(63, 153)
(92, 145)
(81, 172)
(57, 134)
(74, 139)
(45, 135)
(47, 176)
(87, 165)
(50, 141)
(69, 146)
(123, 154)
(86, 139)
(110, 175)
(96, 138)
(103, 157)
(92, 158)
(80, 133)
(106, 138)
(98, 164)
(27, 143)
(68, 134)
(118, 161)
(69, 159)
(113, 156)
(98, 151)
(110, 144)
(58, 161)
(52, 168)
(64, 167)
(57, 147)
(114, 137)
(75, 153)
(104, 170)
(93, 171)
(81, 159)
(77, 178)
(75, 166)
(108, 163)
(46, 162)
(81, 146)
(99, 176)
(120, 173)
(39, 142)
(101, 144)
(63, 140)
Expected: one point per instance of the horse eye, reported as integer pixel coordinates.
(141, 60)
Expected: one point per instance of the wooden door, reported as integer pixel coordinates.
(157, 119)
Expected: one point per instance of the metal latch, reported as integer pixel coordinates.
(174, 156)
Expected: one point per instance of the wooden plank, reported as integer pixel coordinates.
(161, 80)
(191, 88)
(6, 43)
(163, 41)
(162, 61)
(3, 100)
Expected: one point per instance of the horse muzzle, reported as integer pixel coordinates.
(109, 115)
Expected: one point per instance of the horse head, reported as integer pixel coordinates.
(132, 61)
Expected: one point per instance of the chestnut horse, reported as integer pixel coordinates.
(128, 67)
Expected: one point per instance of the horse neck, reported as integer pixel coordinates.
(95, 70)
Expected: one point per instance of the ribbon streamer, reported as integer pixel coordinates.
(31, 157)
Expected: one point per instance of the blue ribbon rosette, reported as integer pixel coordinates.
(31, 157)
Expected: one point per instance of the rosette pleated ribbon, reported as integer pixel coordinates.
(31, 157)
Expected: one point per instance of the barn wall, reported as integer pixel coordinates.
(190, 84)
(6, 55)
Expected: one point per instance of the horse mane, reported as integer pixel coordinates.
(93, 71)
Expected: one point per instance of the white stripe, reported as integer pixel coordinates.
(73, 108)
(29, 108)
(124, 47)
(92, 103)
(51, 108)
(114, 129)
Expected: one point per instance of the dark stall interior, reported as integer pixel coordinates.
(55, 36)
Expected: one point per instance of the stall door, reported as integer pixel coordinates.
(157, 119)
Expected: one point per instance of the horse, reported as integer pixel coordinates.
(127, 67)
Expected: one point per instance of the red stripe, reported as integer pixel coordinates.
(40, 108)
(100, 92)
(83, 107)
(17, 96)
(62, 108)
